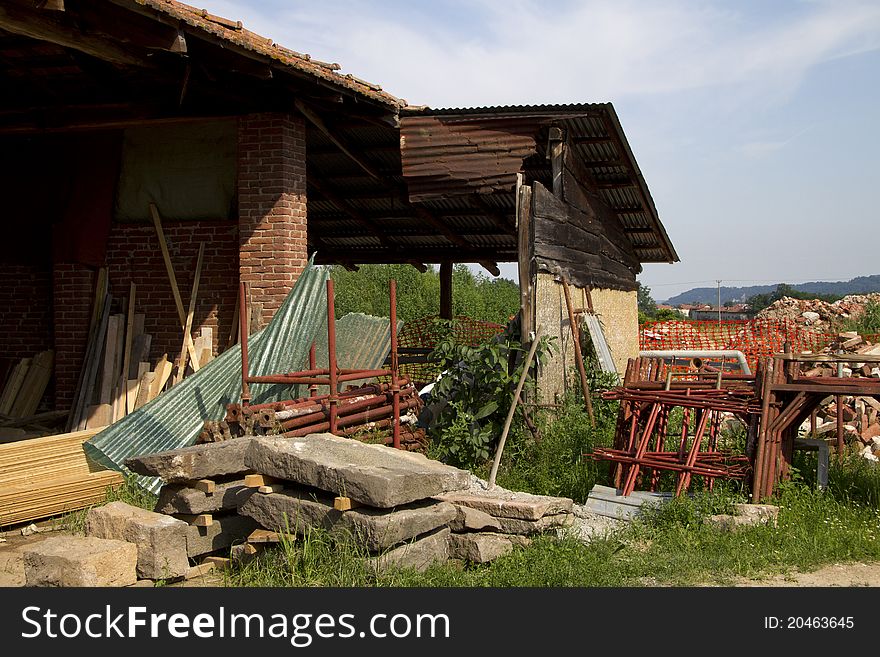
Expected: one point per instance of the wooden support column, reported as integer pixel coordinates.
(446, 289)
(556, 155)
(524, 257)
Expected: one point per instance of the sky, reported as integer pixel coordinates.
(755, 123)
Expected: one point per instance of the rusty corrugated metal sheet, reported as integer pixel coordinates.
(449, 156)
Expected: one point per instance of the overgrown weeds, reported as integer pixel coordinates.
(129, 492)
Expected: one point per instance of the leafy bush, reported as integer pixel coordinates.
(474, 394)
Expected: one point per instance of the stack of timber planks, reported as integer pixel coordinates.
(47, 476)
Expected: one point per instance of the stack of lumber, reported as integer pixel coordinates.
(47, 476)
(26, 385)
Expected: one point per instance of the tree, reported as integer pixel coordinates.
(647, 305)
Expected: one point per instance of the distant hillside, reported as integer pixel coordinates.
(858, 285)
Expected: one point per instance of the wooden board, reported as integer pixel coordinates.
(265, 536)
(140, 351)
(163, 371)
(34, 385)
(10, 392)
(99, 415)
(108, 374)
(145, 383)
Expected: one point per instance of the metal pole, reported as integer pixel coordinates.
(395, 382)
(333, 398)
(519, 387)
(719, 302)
(243, 332)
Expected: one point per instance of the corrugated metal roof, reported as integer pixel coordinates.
(175, 418)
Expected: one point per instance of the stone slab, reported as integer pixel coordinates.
(225, 532)
(181, 498)
(203, 461)
(529, 527)
(501, 503)
(419, 554)
(376, 529)
(373, 475)
(604, 501)
(758, 513)
(80, 561)
(160, 539)
(482, 547)
(468, 519)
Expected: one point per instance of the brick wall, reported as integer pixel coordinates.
(272, 206)
(73, 288)
(133, 255)
(26, 299)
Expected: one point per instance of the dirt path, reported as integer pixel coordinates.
(849, 574)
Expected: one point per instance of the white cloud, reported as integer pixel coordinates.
(528, 51)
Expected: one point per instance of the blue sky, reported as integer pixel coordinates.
(756, 123)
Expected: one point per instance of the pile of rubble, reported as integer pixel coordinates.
(821, 316)
(861, 415)
(226, 500)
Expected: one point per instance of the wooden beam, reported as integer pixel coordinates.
(614, 184)
(592, 140)
(525, 254)
(318, 122)
(446, 289)
(378, 255)
(45, 27)
(491, 267)
(556, 154)
(477, 201)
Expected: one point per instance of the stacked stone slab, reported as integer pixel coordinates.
(395, 518)
(490, 523)
(183, 496)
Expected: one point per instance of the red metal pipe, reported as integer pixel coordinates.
(395, 384)
(313, 364)
(332, 365)
(243, 332)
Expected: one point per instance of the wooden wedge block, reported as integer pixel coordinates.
(199, 520)
(345, 504)
(200, 570)
(264, 536)
(257, 480)
(220, 563)
(274, 488)
(207, 486)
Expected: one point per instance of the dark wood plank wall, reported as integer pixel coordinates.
(581, 237)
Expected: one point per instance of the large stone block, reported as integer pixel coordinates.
(482, 547)
(376, 529)
(374, 475)
(80, 561)
(225, 532)
(419, 554)
(180, 498)
(501, 503)
(203, 461)
(529, 527)
(160, 539)
(468, 519)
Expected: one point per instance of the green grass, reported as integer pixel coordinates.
(129, 492)
(673, 546)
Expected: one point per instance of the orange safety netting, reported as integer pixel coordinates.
(422, 335)
(755, 338)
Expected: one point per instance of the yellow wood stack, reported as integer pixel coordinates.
(48, 476)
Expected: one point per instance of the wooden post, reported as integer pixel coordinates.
(446, 289)
(556, 153)
(187, 327)
(578, 356)
(519, 386)
(524, 257)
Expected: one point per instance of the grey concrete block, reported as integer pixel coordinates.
(80, 561)
(374, 475)
(160, 539)
(376, 529)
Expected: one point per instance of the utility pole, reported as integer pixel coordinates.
(718, 281)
